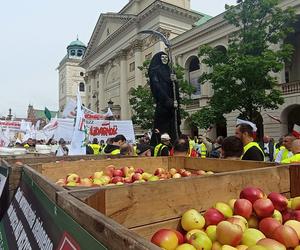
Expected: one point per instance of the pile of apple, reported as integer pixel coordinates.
(252, 222)
(126, 175)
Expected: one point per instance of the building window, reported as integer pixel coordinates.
(81, 87)
(97, 84)
(193, 75)
(132, 67)
(148, 57)
(81, 74)
(72, 52)
(79, 52)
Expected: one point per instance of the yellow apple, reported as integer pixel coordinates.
(224, 208)
(192, 219)
(211, 232)
(251, 236)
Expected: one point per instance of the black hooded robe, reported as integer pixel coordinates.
(162, 91)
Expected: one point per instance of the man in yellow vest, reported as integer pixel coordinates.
(296, 151)
(162, 149)
(252, 151)
(95, 146)
(114, 148)
(287, 151)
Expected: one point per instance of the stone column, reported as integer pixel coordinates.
(123, 85)
(138, 58)
(101, 91)
(92, 100)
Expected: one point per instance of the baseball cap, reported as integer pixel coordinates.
(165, 136)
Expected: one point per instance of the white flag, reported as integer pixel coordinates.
(77, 146)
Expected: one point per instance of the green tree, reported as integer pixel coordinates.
(243, 77)
(143, 104)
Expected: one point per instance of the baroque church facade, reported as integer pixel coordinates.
(116, 50)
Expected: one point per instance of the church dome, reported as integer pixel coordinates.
(77, 43)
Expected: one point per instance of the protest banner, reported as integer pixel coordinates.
(32, 221)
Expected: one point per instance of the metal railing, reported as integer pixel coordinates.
(290, 88)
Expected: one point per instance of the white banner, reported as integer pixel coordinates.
(104, 129)
(14, 125)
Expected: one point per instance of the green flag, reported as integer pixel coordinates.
(47, 113)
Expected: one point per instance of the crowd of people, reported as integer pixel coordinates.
(241, 146)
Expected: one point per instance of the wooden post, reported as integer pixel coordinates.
(295, 180)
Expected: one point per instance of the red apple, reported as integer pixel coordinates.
(251, 194)
(243, 208)
(287, 215)
(186, 174)
(240, 221)
(279, 201)
(137, 177)
(117, 179)
(268, 226)
(271, 244)
(127, 180)
(296, 215)
(125, 171)
(181, 170)
(159, 171)
(263, 208)
(229, 234)
(200, 172)
(179, 236)
(286, 235)
(165, 238)
(109, 172)
(213, 217)
(139, 170)
(117, 172)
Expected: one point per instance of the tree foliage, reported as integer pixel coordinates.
(243, 77)
(143, 104)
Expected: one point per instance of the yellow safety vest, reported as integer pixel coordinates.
(250, 145)
(285, 155)
(295, 158)
(277, 150)
(203, 150)
(158, 148)
(115, 152)
(96, 148)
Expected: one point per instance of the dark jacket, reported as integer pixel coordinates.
(109, 148)
(271, 150)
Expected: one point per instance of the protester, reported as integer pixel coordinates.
(296, 153)
(29, 145)
(267, 147)
(143, 150)
(181, 147)
(162, 149)
(252, 151)
(287, 151)
(114, 148)
(62, 149)
(216, 148)
(95, 146)
(232, 148)
(126, 149)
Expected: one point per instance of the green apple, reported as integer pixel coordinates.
(211, 232)
(224, 208)
(201, 241)
(251, 236)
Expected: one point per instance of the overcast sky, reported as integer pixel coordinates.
(34, 35)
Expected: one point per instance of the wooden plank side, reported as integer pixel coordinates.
(137, 205)
(55, 171)
(108, 232)
(295, 180)
(148, 230)
(222, 165)
(45, 184)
